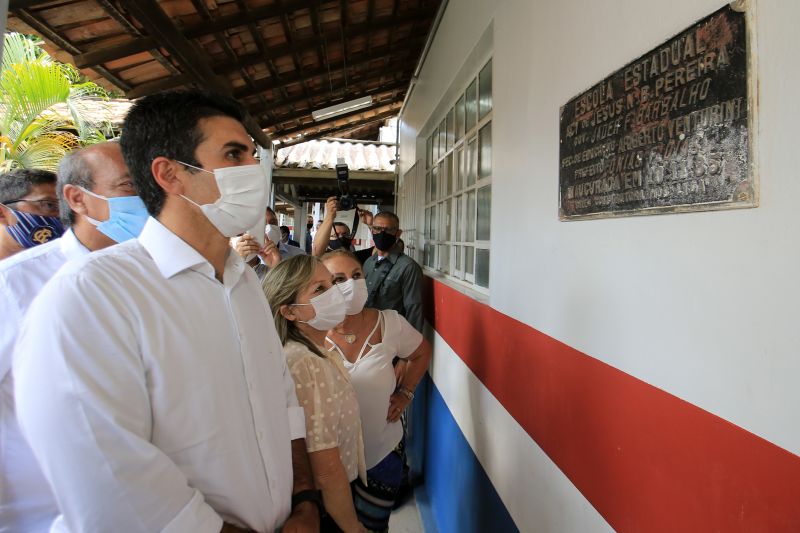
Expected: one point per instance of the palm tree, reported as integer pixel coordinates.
(31, 83)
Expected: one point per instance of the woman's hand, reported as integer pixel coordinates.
(397, 404)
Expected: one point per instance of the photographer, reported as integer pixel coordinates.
(331, 232)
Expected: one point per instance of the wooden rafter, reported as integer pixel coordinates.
(327, 126)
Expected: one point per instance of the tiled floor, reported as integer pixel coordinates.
(406, 518)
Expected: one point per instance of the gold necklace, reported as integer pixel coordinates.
(351, 337)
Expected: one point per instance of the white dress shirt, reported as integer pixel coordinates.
(160, 399)
(26, 502)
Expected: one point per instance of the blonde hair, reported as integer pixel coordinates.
(340, 252)
(281, 286)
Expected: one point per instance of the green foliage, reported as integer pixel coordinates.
(31, 83)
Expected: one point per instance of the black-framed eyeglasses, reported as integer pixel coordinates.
(50, 206)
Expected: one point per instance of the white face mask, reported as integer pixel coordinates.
(355, 295)
(273, 233)
(242, 197)
(329, 309)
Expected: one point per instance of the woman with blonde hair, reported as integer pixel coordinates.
(367, 341)
(305, 305)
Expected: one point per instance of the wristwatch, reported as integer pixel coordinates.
(309, 495)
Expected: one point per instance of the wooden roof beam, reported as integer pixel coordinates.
(161, 26)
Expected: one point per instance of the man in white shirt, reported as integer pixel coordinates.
(26, 502)
(263, 257)
(158, 397)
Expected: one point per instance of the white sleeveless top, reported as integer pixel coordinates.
(372, 376)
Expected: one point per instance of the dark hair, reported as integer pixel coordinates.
(342, 225)
(18, 183)
(72, 170)
(285, 229)
(388, 214)
(166, 124)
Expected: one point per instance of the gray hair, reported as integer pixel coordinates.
(72, 170)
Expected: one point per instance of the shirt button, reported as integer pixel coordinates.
(260, 435)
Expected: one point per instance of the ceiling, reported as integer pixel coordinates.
(281, 59)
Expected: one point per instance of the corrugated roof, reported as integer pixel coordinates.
(324, 155)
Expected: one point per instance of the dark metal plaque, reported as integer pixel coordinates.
(668, 132)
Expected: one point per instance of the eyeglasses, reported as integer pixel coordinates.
(49, 207)
(380, 229)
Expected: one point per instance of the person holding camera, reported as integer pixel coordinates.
(333, 235)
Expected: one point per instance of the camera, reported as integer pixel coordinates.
(346, 202)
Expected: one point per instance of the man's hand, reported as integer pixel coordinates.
(331, 205)
(304, 519)
(247, 246)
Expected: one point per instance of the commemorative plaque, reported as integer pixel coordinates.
(669, 132)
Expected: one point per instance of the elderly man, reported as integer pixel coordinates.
(394, 280)
(33, 219)
(93, 186)
(169, 403)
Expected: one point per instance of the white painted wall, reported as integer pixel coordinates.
(702, 305)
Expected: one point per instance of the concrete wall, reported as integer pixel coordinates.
(701, 306)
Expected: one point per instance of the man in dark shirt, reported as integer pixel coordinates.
(394, 280)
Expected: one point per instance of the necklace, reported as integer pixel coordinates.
(351, 337)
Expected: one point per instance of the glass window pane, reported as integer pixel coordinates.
(444, 258)
(428, 223)
(461, 174)
(460, 118)
(471, 105)
(442, 139)
(450, 129)
(459, 221)
(482, 268)
(448, 164)
(443, 236)
(472, 161)
(434, 223)
(434, 182)
(485, 151)
(484, 212)
(428, 255)
(427, 187)
(470, 237)
(457, 259)
(448, 222)
(444, 175)
(429, 151)
(469, 260)
(485, 77)
(435, 141)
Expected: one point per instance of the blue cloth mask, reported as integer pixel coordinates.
(32, 230)
(126, 217)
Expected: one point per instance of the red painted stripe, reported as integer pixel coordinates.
(645, 459)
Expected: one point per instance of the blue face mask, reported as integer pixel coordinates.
(32, 230)
(126, 217)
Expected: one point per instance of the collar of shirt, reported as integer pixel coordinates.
(71, 247)
(392, 257)
(173, 255)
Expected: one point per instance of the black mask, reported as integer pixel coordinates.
(309, 225)
(341, 242)
(384, 241)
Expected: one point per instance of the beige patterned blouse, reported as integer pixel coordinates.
(332, 418)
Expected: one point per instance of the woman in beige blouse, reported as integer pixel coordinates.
(305, 304)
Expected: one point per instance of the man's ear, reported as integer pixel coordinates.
(399, 232)
(7, 218)
(166, 173)
(288, 312)
(76, 199)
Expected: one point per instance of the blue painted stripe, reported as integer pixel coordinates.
(457, 495)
